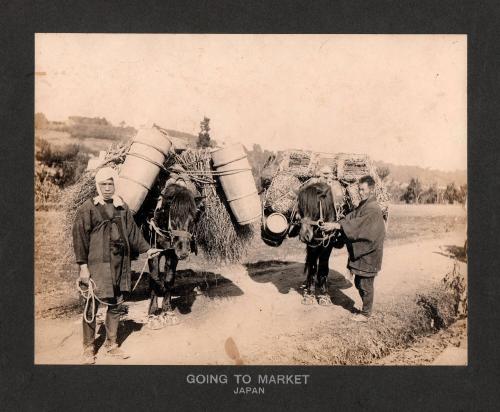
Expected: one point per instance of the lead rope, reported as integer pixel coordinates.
(325, 239)
(90, 296)
(140, 276)
(321, 220)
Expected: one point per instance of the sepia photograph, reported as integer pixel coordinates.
(250, 199)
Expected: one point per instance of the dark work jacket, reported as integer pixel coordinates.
(91, 243)
(364, 229)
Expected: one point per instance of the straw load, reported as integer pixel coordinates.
(218, 234)
(298, 168)
(74, 196)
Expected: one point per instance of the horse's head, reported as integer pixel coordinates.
(315, 202)
(178, 218)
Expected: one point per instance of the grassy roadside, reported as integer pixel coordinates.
(394, 327)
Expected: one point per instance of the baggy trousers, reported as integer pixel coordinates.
(113, 312)
(364, 285)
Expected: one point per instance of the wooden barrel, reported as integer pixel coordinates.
(238, 183)
(142, 165)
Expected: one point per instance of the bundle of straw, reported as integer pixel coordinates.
(282, 192)
(218, 235)
(71, 199)
(84, 188)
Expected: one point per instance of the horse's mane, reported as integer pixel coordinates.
(180, 203)
(308, 202)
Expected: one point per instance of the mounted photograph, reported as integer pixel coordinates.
(250, 199)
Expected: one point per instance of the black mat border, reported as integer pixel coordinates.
(28, 387)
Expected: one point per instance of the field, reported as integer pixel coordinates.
(422, 242)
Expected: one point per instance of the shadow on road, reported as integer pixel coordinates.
(337, 282)
(285, 276)
(289, 276)
(126, 328)
(188, 285)
(339, 298)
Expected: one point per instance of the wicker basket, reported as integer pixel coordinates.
(350, 167)
(282, 192)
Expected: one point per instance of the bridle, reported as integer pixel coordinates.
(318, 222)
(169, 234)
(324, 239)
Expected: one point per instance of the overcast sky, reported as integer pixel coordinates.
(401, 99)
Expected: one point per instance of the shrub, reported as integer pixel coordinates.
(61, 166)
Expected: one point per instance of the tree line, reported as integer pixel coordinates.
(416, 192)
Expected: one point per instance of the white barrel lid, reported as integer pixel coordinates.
(276, 223)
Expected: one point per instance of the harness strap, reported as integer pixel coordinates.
(181, 233)
(325, 239)
(170, 233)
(161, 232)
(308, 221)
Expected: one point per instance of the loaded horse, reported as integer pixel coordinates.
(315, 205)
(172, 229)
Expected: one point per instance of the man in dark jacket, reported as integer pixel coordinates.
(364, 229)
(104, 237)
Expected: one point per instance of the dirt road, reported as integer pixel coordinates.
(248, 314)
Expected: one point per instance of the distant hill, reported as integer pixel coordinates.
(183, 135)
(94, 134)
(426, 176)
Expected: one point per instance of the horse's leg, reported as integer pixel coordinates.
(170, 270)
(322, 275)
(310, 270)
(323, 268)
(154, 285)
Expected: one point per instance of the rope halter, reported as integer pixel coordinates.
(324, 240)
